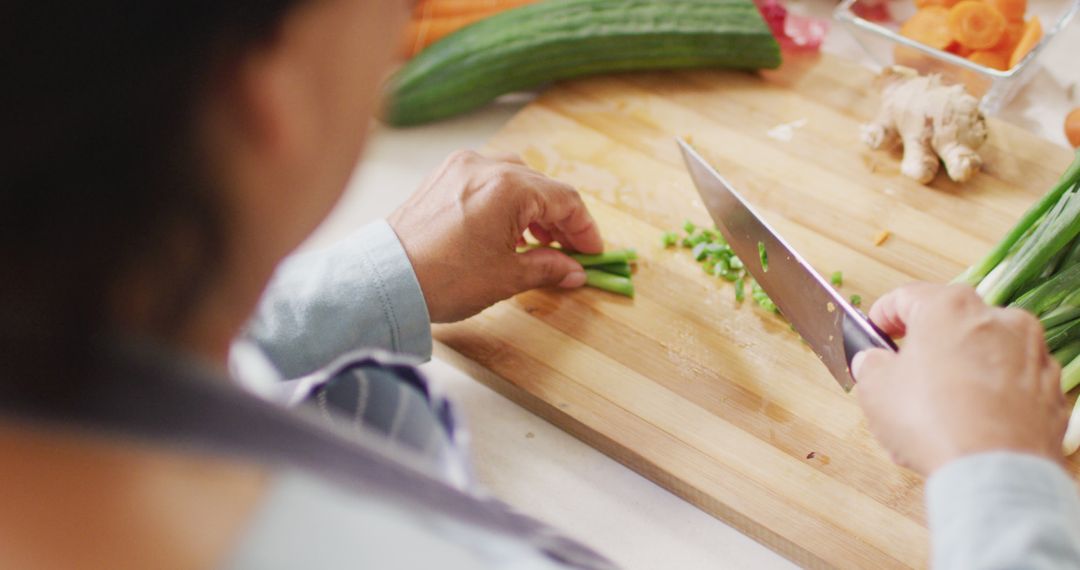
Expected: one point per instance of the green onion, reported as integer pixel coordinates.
(609, 282)
(1067, 353)
(670, 239)
(698, 252)
(614, 256)
(856, 300)
(763, 256)
(837, 278)
(976, 273)
(689, 227)
(1061, 225)
(622, 269)
(739, 293)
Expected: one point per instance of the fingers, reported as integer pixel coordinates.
(510, 157)
(894, 312)
(558, 208)
(869, 365)
(891, 312)
(547, 268)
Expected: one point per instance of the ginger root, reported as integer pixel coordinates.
(931, 120)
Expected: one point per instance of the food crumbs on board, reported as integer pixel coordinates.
(785, 132)
(530, 435)
(811, 455)
(882, 237)
(830, 306)
(689, 139)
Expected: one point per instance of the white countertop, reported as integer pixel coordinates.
(535, 466)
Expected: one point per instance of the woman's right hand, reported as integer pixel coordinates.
(969, 378)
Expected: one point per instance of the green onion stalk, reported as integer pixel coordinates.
(1036, 267)
(610, 271)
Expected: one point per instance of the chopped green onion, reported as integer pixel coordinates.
(670, 239)
(689, 227)
(699, 252)
(739, 293)
(837, 278)
(856, 300)
(763, 255)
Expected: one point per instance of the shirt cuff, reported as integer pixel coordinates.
(360, 293)
(1000, 506)
(998, 473)
(406, 308)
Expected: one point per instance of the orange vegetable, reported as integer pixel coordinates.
(991, 58)
(1072, 127)
(1013, 32)
(960, 49)
(1033, 34)
(419, 34)
(920, 4)
(929, 26)
(976, 24)
(447, 8)
(1013, 10)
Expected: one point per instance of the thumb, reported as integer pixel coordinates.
(870, 365)
(548, 268)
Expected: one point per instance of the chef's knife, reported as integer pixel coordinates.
(833, 328)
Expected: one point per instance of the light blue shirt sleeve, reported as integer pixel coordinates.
(358, 293)
(1003, 510)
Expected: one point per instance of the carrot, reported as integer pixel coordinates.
(447, 8)
(1033, 34)
(1072, 127)
(959, 49)
(1013, 32)
(1013, 10)
(419, 34)
(991, 58)
(920, 4)
(976, 24)
(929, 26)
(433, 20)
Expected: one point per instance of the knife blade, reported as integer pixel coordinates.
(834, 329)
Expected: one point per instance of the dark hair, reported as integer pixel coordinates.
(99, 169)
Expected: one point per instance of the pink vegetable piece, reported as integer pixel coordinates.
(872, 10)
(793, 32)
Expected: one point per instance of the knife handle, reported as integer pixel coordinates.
(863, 335)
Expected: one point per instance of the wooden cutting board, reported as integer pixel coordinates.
(721, 403)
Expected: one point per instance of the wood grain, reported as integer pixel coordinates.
(721, 403)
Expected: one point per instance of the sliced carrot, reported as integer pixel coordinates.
(1033, 34)
(976, 24)
(420, 34)
(929, 26)
(991, 58)
(446, 8)
(920, 4)
(960, 49)
(1013, 32)
(1013, 10)
(1072, 127)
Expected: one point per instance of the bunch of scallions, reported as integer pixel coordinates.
(1036, 267)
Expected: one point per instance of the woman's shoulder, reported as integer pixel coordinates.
(79, 500)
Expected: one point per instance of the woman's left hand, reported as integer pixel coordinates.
(462, 229)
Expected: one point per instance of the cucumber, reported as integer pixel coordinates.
(552, 40)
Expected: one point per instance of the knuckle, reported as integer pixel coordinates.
(464, 155)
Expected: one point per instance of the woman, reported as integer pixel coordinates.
(160, 161)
